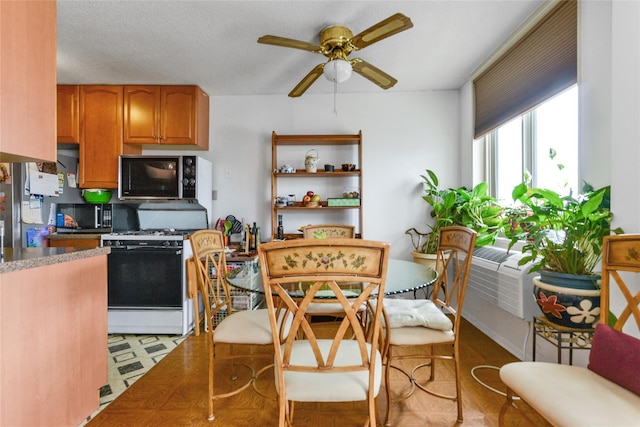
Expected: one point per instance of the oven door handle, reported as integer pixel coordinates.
(149, 249)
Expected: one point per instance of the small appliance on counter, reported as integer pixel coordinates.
(83, 218)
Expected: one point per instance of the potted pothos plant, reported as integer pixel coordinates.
(472, 208)
(563, 238)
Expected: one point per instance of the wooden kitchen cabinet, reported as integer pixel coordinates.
(28, 81)
(166, 115)
(334, 149)
(101, 136)
(74, 242)
(68, 111)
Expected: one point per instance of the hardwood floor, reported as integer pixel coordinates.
(174, 393)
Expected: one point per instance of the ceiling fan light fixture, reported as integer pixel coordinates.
(337, 70)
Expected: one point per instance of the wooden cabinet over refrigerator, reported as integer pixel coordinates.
(333, 187)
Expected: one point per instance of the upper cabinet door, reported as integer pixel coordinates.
(68, 114)
(28, 81)
(100, 135)
(178, 121)
(142, 114)
(167, 115)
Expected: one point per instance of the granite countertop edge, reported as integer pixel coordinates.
(27, 258)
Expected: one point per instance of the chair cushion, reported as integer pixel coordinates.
(330, 387)
(420, 312)
(582, 397)
(616, 356)
(419, 335)
(247, 327)
(316, 308)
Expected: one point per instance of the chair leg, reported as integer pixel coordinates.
(505, 406)
(458, 387)
(432, 374)
(371, 403)
(387, 370)
(196, 316)
(210, 415)
(510, 403)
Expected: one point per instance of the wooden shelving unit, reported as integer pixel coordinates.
(280, 181)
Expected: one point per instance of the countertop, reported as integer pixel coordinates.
(24, 258)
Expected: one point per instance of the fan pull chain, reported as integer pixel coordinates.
(335, 91)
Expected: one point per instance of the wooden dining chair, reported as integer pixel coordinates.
(192, 292)
(323, 231)
(344, 231)
(346, 366)
(434, 322)
(240, 329)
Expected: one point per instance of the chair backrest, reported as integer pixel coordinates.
(455, 251)
(323, 264)
(211, 267)
(620, 254)
(329, 231)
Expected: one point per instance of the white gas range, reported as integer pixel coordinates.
(147, 284)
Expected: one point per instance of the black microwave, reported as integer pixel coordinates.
(157, 177)
(84, 218)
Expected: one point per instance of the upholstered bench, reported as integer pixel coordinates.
(568, 395)
(606, 393)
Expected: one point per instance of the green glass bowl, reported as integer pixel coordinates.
(97, 196)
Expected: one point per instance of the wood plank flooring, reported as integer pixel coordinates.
(174, 393)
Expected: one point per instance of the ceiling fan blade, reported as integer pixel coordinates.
(307, 81)
(383, 29)
(284, 42)
(374, 74)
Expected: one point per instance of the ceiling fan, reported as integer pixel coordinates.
(336, 43)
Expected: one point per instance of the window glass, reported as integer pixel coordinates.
(509, 158)
(557, 129)
(540, 146)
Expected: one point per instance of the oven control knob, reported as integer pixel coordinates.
(166, 243)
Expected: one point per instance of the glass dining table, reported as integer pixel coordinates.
(402, 276)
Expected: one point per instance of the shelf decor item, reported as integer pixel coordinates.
(311, 161)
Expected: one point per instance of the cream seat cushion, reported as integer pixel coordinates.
(321, 387)
(420, 312)
(585, 399)
(247, 327)
(328, 307)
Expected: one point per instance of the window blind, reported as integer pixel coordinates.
(540, 65)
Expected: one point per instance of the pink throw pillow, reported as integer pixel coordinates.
(616, 356)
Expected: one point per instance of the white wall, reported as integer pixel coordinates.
(403, 134)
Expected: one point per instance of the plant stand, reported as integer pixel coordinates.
(563, 338)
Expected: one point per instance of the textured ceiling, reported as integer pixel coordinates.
(213, 43)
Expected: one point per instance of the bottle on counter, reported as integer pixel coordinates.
(280, 232)
(257, 237)
(252, 242)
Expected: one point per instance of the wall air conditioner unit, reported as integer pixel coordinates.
(497, 278)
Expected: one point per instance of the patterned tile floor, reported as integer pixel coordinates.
(130, 357)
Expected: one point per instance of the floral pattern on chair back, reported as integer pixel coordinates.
(329, 231)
